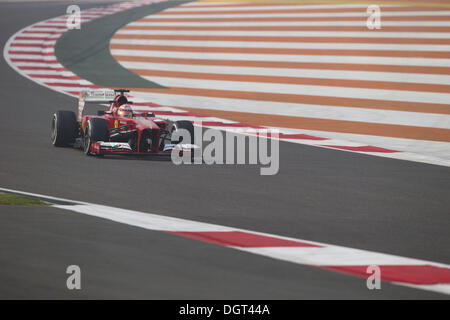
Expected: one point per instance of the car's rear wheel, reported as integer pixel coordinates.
(183, 124)
(64, 128)
(96, 130)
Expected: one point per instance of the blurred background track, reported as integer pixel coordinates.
(306, 68)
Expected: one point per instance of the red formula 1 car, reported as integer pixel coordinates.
(117, 130)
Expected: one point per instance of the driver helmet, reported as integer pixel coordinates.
(121, 100)
(125, 111)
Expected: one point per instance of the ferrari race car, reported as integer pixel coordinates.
(118, 129)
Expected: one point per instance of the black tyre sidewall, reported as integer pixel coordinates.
(96, 130)
(64, 133)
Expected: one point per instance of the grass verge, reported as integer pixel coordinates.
(15, 199)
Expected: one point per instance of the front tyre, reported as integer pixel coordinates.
(96, 130)
(64, 128)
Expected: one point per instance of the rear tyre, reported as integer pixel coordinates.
(183, 124)
(96, 130)
(64, 127)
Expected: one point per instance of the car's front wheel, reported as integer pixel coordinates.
(96, 130)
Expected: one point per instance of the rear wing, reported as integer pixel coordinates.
(94, 96)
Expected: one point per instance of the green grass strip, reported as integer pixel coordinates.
(17, 200)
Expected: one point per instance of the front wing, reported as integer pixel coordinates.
(123, 148)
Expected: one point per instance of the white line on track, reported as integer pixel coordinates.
(36, 42)
(50, 72)
(293, 72)
(426, 147)
(314, 90)
(48, 29)
(47, 36)
(66, 81)
(401, 61)
(196, 23)
(285, 45)
(33, 49)
(37, 65)
(305, 110)
(362, 14)
(312, 34)
(193, 6)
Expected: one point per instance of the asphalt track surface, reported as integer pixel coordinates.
(330, 196)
